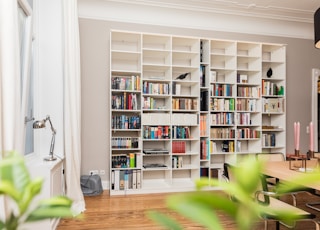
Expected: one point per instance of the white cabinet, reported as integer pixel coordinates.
(53, 185)
(199, 101)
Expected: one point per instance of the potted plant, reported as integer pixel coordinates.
(19, 190)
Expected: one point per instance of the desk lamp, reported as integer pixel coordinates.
(42, 124)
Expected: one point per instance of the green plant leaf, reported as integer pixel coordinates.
(164, 220)
(59, 206)
(41, 213)
(200, 213)
(13, 168)
(56, 201)
(7, 188)
(31, 190)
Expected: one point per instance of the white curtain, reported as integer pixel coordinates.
(72, 104)
(11, 128)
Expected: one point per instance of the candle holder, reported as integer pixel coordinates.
(296, 152)
(298, 163)
(310, 154)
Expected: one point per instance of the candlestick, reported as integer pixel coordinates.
(295, 134)
(298, 135)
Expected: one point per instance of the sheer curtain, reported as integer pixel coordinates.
(72, 104)
(11, 126)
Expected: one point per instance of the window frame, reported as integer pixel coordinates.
(26, 58)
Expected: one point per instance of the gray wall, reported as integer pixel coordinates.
(95, 63)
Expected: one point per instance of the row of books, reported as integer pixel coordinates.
(149, 103)
(126, 122)
(247, 133)
(124, 142)
(269, 140)
(225, 118)
(178, 147)
(205, 149)
(203, 125)
(220, 133)
(184, 103)
(125, 179)
(129, 160)
(156, 132)
(125, 100)
(177, 162)
(156, 88)
(243, 118)
(225, 146)
(224, 90)
(126, 83)
(222, 104)
(249, 91)
(181, 132)
(246, 104)
(271, 88)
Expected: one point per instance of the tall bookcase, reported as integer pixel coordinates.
(182, 106)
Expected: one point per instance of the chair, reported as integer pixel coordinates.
(313, 205)
(271, 181)
(265, 197)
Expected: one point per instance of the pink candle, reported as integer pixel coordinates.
(298, 136)
(295, 134)
(311, 136)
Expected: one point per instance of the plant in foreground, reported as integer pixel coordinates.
(202, 206)
(19, 190)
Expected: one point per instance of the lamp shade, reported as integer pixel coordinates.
(39, 124)
(317, 29)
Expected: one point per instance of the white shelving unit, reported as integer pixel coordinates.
(218, 113)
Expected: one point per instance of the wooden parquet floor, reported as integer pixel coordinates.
(129, 212)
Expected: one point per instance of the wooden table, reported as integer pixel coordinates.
(280, 170)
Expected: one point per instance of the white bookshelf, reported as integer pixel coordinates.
(216, 114)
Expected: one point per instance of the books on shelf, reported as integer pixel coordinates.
(124, 142)
(125, 179)
(249, 91)
(156, 88)
(126, 83)
(270, 88)
(222, 90)
(125, 122)
(128, 101)
(125, 160)
(178, 147)
(226, 118)
(222, 104)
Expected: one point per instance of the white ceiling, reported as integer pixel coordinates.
(286, 18)
(291, 10)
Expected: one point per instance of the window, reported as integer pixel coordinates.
(26, 70)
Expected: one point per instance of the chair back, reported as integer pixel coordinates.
(228, 173)
(270, 156)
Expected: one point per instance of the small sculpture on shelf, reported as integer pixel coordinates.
(269, 72)
(182, 76)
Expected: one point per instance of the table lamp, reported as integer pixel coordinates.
(42, 124)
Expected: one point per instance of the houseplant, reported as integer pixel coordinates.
(201, 206)
(19, 190)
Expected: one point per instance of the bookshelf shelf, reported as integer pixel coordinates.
(227, 107)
